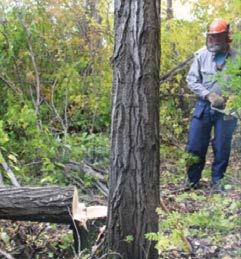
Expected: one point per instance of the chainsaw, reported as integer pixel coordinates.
(228, 113)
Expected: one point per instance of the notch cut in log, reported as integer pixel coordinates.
(47, 204)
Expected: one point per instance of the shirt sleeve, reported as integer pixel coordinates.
(194, 79)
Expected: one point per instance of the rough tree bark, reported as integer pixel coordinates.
(134, 177)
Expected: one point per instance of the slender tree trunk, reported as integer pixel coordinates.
(134, 178)
(169, 9)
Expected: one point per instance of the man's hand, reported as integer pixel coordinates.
(215, 99)
(230, 98)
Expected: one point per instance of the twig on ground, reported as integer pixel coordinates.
(113, 253)
(8, 256)
(77, 232)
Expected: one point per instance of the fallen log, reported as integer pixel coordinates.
(56, 205)
(46, 204)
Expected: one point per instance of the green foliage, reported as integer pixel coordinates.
(67, 241)
(205, 10)
(176, 35)
(56, 77)
(229, 80)
(210, 217)
(176, 103)
(3, 135)
(129, 239)
(70, 69)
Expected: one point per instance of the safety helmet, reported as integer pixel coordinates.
(218, 36)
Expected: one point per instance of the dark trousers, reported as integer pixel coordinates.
(203, 121)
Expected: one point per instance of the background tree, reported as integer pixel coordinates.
(134, 177)
(169, 9)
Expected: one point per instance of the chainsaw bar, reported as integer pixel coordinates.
(225, 111)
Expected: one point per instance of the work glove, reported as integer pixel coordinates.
(215, 99)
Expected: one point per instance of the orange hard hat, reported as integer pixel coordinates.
(219, 26)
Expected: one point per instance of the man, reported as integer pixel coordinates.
(201, 81)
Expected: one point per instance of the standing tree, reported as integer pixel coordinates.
(134, 178)
(169, 9)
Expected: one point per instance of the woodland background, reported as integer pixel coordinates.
(55, 81)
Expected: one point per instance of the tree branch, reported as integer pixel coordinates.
(8, 83)
(177, 69)
(8, 171)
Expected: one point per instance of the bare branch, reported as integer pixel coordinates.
(63, 122)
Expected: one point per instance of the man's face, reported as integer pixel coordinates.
(217, 42)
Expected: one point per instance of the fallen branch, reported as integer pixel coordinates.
(98, 175)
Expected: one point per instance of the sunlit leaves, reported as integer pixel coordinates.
(3, 135)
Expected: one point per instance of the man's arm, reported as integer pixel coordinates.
(194, 79)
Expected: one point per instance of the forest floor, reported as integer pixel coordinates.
(193, 223)
(199, 223)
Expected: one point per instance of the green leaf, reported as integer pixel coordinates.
(13, 158)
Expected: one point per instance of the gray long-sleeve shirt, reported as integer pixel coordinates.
(200, 78)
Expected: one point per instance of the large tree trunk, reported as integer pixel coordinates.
(46, 204)
(134, 178)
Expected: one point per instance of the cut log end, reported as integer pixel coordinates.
(82, 214)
